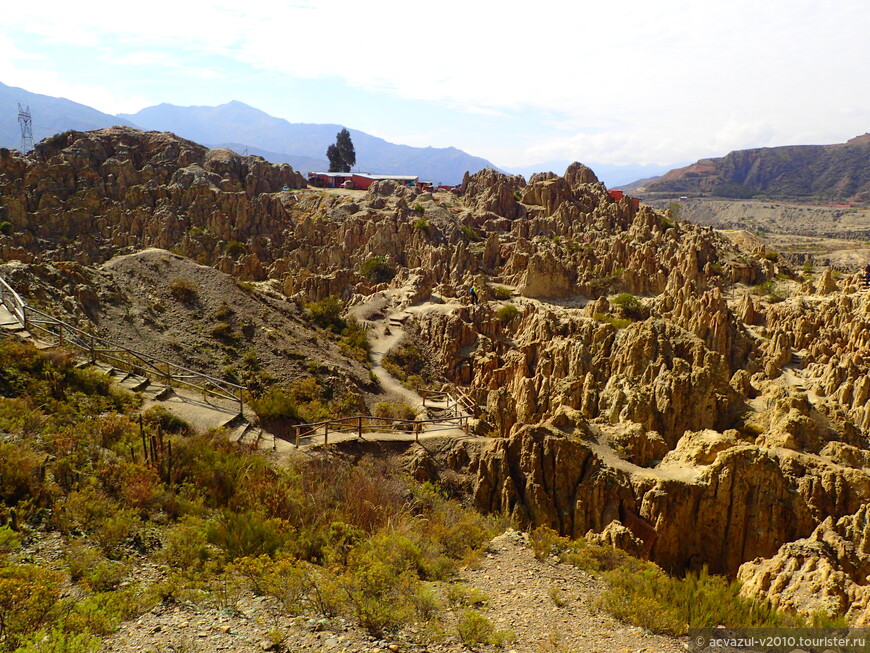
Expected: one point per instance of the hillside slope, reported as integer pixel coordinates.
(828, 173)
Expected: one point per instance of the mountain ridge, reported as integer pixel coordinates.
(838, 172)
(240, 127)
(51, 115)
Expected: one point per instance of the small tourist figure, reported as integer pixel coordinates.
(473, 292)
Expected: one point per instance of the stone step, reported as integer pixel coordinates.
(134, 382)
(251, 437)
(239, 432)
(156, 391)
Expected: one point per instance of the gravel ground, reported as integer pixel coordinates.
(521, 600)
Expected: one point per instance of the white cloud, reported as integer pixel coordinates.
(666, 78)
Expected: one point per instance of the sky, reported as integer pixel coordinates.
(609, 81)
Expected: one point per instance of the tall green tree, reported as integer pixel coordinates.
(336, 163)
(341, 155)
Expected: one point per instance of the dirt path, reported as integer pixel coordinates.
(384, 314)
(383, 336)
(681, 472)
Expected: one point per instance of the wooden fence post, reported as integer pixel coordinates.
(359, 427)
(326, 433)
(298, 430)
(142, 433)
(169, 464)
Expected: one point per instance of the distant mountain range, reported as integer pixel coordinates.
(819, 173)
(51, 116)
(241, 128)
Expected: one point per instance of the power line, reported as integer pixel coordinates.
(25, 121)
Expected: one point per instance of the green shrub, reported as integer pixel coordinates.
(469, 232)
(629, 305)
(5, 228)
(247, 534)
(394, 409)
(224, 312)
(326, 313)
(463, 596)
(284, 578)
(380, 583)
(765, 288)
(29, 597)
(544, 542)
(772, 256)
(184, 290)
(185, 545)
(112, 533)
(649, 598)
(354, 341)
(224, 331)
(404, 360)
(9, 541)
(106, 575)
(641, 594)
(474, 629)
(507, 313)
(421, 224)
(377, 269)
(235, 249)
(615, 322)
(275, 404)
(102, 613)
(163, 418)
(501, 293)
(57, 640)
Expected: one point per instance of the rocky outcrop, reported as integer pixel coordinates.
(86, 196)
(739, 507)
(489, 191)
(826, 572)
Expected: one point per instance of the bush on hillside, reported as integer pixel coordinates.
(326, 313)
(377, 269)
(184, 290)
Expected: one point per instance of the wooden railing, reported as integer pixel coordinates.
(361, 424)
(13, 302)
(130, 360)
(458, 401)
(66, 335)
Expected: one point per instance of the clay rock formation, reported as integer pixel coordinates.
(489, 191)
(738, 507)
(826, 572)
(85, 196)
